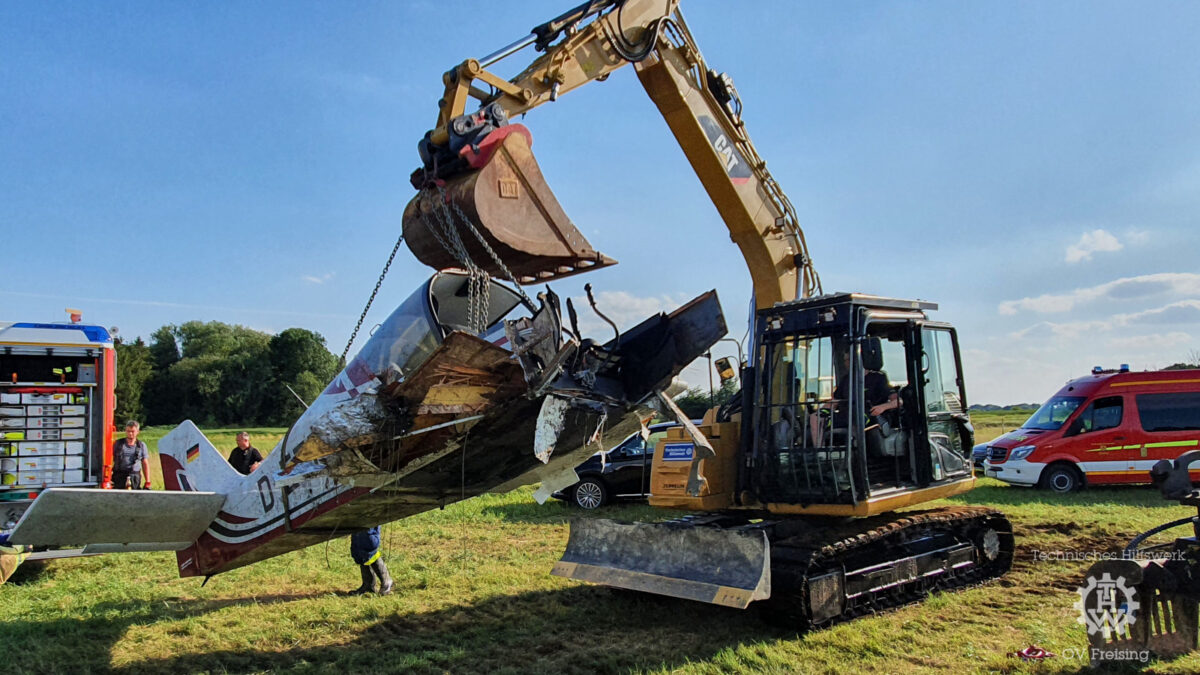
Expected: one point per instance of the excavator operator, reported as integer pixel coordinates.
(878, 396)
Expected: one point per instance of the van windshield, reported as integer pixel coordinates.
(1053, 413)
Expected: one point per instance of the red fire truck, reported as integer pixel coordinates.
(57, 396)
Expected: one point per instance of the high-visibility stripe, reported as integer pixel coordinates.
(374, 557)
(1171, 444)
(1140, 382)
(1163, 444)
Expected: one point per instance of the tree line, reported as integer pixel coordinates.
(218, 374)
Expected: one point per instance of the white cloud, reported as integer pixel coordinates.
(1152, 341)
(1184, 311)
(1137, 237)
(1092, 242)
(318, 279)
(1127, 288)
(1175, 313)
(625, 309)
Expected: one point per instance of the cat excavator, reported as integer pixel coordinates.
(852, 406)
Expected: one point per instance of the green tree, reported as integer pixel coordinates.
(696, 401)
(162, 401)
(164, 348)
(300, 360)
(216, 374)
(134, 368)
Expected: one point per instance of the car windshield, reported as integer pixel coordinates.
(1053, 413)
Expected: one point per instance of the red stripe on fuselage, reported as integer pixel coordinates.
(210, 555)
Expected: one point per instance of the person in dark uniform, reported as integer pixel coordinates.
(131, 462)
(364, 548)
(878, 396)
(245, 457)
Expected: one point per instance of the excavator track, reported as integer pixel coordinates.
(825, 575)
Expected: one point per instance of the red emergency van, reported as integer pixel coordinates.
(1106, 428)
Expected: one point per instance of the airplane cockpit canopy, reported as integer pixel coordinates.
(408, 337)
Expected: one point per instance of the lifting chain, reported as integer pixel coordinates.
(446, 232)
(370, 300)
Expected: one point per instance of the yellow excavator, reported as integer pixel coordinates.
(851, 406)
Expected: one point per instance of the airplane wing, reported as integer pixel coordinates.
(117, 520)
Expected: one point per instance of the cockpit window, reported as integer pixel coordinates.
(449, 294)
(408, 337)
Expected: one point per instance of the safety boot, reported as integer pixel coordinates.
(385, 579)
(368, 581)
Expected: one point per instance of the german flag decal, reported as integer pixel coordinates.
(193, 452)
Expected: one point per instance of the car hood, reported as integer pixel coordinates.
(1019, 437)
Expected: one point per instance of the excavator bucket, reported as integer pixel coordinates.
(722, 567)
(505, 199)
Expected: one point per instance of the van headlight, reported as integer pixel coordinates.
(1021, 451)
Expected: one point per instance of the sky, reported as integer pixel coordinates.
(1032, 167)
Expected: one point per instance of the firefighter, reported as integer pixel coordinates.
(366, 551)
(130, 460)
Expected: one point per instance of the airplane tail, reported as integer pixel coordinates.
(190, 462)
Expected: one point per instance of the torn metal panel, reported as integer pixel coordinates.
(550, 423)
(702, 448)
(551, 483)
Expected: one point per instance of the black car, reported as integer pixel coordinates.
(620, 473)
(978, 454)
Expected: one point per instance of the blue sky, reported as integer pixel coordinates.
(1034, 167)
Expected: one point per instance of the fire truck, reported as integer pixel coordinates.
(57, 394)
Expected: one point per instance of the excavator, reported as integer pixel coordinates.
(852, 406)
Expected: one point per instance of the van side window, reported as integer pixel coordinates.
(1169, 412)
(1103, 413)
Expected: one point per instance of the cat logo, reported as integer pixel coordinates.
(725, 150)
(731, 160)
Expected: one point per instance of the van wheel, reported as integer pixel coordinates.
(590, 494)
(1061, 478)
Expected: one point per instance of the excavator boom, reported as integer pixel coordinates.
(480, 187)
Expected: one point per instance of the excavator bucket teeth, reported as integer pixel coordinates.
(509, 204)
(722, 567)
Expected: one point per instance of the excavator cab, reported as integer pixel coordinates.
(857, 398)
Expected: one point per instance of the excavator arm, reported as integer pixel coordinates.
(484, 201)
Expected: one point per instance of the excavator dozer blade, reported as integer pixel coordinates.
(508, 202)
(722, 567)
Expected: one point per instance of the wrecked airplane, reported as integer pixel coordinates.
(468, 387)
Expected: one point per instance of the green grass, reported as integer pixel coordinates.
(989, 425)
(473, 594)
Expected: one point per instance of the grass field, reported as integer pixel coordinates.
(473, 594)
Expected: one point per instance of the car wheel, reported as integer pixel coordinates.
(1061, 478)
(590, 494)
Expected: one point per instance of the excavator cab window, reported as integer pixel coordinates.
(803, 431)
(950, 435)
(888, 434)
